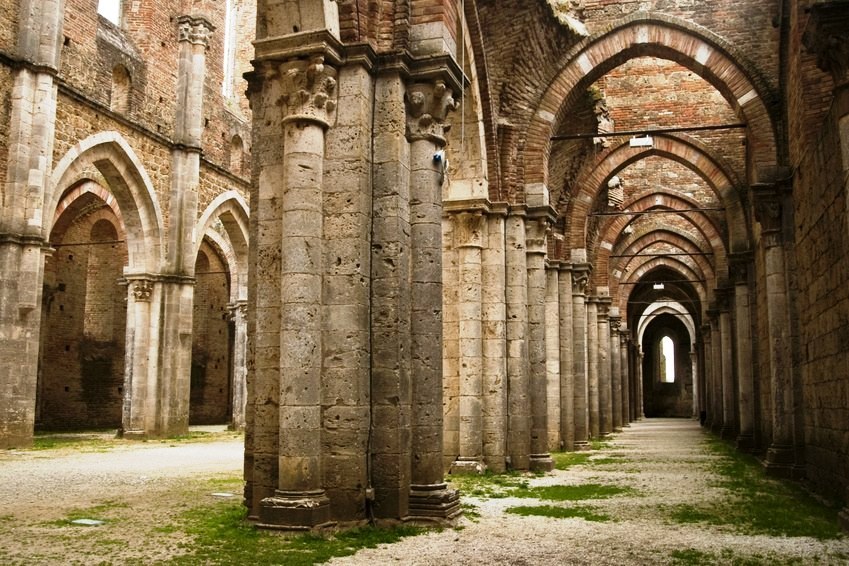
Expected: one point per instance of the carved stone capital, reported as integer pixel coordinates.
(827, 37)
(469, 229)
(536, 238)
(739, 265)
(194, 29)
(615, 324)
(142, 290)
(580, 278)
(723, 299)
(428, 104)
(766, 200)
(238, 310)
(309, 90)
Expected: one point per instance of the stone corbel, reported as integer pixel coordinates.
(142, 290)
(238, 310)
(469, 229)
(723, 298)
(826, 37)
(766, 200)
(428, 104)
(580, 278)
(739, 266)
(536, 240)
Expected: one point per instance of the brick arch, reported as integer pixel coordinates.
(709, 232)
(652, 34)
(231, 210)
(677, 241)
(80, 190)
(130, 185)
(684, 150)
(647, 267)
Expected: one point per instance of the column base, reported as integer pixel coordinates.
(745, 442)
(843, 519)
(433, 504)
(727, 432)
(582, 445)
(779, 461)
(295, 511)
(467, 467)
(541, 463)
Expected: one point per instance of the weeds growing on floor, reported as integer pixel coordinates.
(759, 504)
(570, 492)
(693, 557)
(556, 512)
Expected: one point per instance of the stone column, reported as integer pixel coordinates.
(552, 353)
(469, 233)
(626, 376)
(745, 371)
(428, 102)
(299, 500)
(493, 292)
(605, 390)
(641, 413)
(390, 457)
(580, 360)
(140, 359)
(694, 368)
(537, 229)
(615, 368)
(716, 375)
(23, 246)
(729, 419)
(707, 381)
(518, 400)
(768, 211)
(592, 368)
(567, 368)
(238, 314)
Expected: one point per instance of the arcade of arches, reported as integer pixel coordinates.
(479, 232)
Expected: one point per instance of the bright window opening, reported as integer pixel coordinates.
(667, 360)
(229, 51)
(111, 10)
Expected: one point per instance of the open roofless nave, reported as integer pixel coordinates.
(394, 240)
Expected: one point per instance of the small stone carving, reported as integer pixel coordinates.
(142, 290)
(195, 30)
(309, 89)
(428, 105)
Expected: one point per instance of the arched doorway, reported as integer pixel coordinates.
(667, 371)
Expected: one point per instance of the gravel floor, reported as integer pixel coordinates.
(664, 462)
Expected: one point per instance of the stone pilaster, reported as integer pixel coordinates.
(537, 229)
(495, 384)
(707, 380)
(552, 353)
(593, 407)
(239, 316)
(469, 241)
(518, 369)
(638, 389)
(716, 375)
(694, 370)
(615, 368)
(605, 390)
(768, 212)
(580, 359)
(743, 334)
(567, 369)
(729, 413)
(427, 103)
(625, 366)
(31, 126)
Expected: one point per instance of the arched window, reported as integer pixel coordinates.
(119, 100)
(667, 360)
(111, 10)
(237, 154)
(227, 86)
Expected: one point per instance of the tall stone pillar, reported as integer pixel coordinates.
(428, 103)
(694, 369)
(729, 413)
(592, 368)
(745, 373)
(615, 368)
(768, 210)
(519, 402)
(625, 367)
(552, 354)
(469, 234)
(140, 381)
(641, 412)
(605, 389)
(391, 302)
(716, 374)
(536, 230)
(238, 314)
(580, 359)
(23, 245)
(567, 368)
(707, 381)
(309, 89)
(495, 384)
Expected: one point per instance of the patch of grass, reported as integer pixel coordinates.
(90, 441)
(759, 504)
(222, 535)
(586, 513)
(598, 444)
(607, 460)
(565, 460)
(693, 557)
(571, 492)
(471, 512)
(489, 485)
